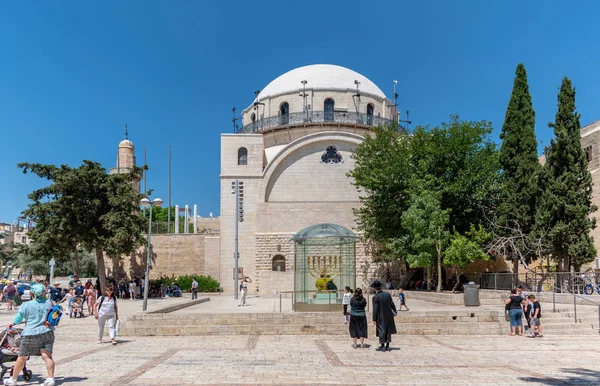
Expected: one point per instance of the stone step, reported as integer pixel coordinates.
(309, 318)
(458, 328)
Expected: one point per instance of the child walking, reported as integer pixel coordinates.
(536, 314)
(402, 298)
(346, 303)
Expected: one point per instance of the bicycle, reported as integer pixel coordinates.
(590, 286)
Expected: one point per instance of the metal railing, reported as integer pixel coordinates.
(316, 117)
(567, 282)
(293, 297)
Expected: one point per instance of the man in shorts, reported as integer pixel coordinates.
(37, 338)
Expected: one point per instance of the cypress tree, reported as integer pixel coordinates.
(520, 164)
(566, 201)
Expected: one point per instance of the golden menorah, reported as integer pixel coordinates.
(324, 266)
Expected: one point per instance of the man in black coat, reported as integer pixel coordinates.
(384, 311)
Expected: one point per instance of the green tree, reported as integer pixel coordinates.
(426, 225)
(105, 209)
(454, 167)
(566, 202)
(520, 168)
(465, 249)
(382, 173)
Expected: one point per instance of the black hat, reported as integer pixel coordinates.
(376, 284)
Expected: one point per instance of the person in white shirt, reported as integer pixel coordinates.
(194, 289)
(244, 290)
(346, 303)
(106, 310)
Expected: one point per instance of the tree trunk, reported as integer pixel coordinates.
(428, 279)
(76, 261)
(101, 271)
(515, 279)
(439, 269)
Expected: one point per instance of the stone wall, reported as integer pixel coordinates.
(172, 255)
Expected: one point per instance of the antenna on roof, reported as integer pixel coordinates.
(357, 95)
(257, 103)
(234, 120)
(407, 120)
(396, 112)
(126, 131)
(304, 95)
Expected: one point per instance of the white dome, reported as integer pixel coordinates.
(319, 76)
(126, 143)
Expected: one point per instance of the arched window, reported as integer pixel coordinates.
(242, 156)
(328, 109)
(369, 114)
(284, 113)
(278, 263)
(253, 117)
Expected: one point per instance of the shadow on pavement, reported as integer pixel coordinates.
(580, 376)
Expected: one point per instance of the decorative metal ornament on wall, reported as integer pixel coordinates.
(331, 156)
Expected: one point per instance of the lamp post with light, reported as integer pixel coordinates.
(145, 202)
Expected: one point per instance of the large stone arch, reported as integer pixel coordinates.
(290, 158)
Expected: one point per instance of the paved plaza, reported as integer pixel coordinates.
(311, 359)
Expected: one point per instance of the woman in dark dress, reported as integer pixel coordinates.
(358, 318)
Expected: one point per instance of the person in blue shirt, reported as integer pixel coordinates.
(37, 338)
(56, 294)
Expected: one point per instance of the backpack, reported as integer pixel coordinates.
(54, 315)
(331, 286)
(11, 290)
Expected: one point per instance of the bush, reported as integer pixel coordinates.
(205, 283)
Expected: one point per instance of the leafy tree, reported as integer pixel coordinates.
(520, 166)
(566, 185)
(382, 173)
(465, 249)
(426, 224)
(85, 207)
(416, 188)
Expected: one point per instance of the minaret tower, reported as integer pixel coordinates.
(125, 155)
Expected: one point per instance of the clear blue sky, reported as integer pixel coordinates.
(72, 73)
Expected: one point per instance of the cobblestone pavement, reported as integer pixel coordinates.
(316, 360)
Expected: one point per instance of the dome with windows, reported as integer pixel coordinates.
(320, 77)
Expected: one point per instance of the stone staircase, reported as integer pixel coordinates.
(407, 322)
(562, 322)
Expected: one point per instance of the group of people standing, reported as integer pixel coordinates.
(384, 311)
(521, 303)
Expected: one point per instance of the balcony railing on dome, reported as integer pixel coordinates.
(320, 117)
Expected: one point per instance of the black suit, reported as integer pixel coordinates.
(384, 310)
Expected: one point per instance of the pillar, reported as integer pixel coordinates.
(176, 218)
(186, 228)
(195, 218)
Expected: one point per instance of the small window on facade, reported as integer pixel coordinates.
(331, 156)
(328, 108)
(278, 263)
(284, 113)
(242, 156)
(588, 153)
(369, 114)
(24, 240)
(253, 117)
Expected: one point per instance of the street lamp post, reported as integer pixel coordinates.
(52, 264)
(145, 202)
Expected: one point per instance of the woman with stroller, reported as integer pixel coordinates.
(106, 310)
(37, 338)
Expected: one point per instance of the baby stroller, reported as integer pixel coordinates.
(9, 351)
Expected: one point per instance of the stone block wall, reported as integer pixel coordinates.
(171, 255)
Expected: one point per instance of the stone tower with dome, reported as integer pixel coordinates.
(125, 157)
(293, 154)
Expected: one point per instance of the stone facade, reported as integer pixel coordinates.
(172, 255)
